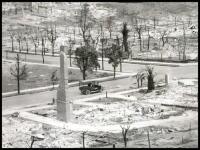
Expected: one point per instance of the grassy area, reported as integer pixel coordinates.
(39, 76)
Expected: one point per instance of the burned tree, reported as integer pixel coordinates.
(71, 43)
(43, 36)
(12, 34)
(154, 23)
(94, 38)
(163, 36)
(85, 23)
(149, 37)
(102, 44)
(19, 72)
(109, 24)
(52, 35)
(139, 31)
(19, 38)
(26, 38)
(125, 32)
(121, 54)
(184, 42)
(35, 38)
(124, 134)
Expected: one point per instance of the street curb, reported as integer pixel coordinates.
(154, 63)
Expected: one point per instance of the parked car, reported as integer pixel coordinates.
(90, 87)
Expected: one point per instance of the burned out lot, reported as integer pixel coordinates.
(145, 61)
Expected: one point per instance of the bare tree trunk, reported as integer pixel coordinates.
(140, 44)
(184, 48)
(27, 46)
(148, 40)
(114, 71)
(35, 49)
(15, 10)
(143, 43)
(12, 45)
(70, 56)
(102, 58)
(19, 46)
(138, 82)
(33, 140)
(18, 83)
(102, 55)
(154, 23)
(52, 49)
(74, 34)
(124, 134)
(141, 82)
(83, 139)
(148, 139)
(120, 65)
(163, 42)
(42, 57)
(42, 51)
(84, 74)
(175, 21)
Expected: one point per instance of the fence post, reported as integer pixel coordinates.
(106, 94)
(113, 145)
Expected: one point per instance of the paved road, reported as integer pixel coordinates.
(45, 97)
(74, 93)
(178, 72)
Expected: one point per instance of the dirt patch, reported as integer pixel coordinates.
(114, 111)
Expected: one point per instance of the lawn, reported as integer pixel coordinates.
(39, 76)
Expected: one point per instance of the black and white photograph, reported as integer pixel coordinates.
(99, 74)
